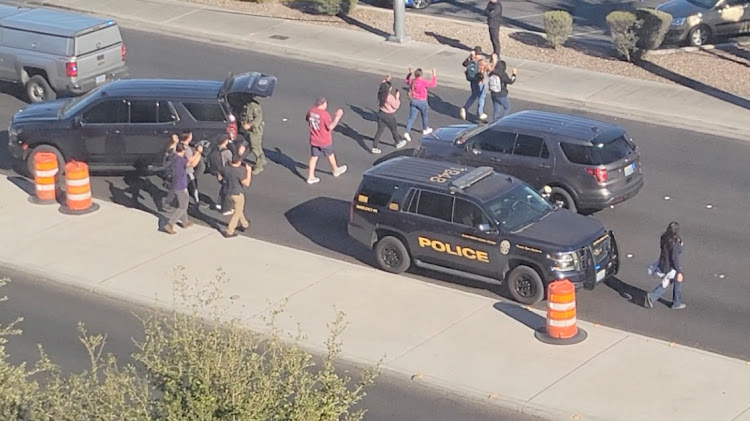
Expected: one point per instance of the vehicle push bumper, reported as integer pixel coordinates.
(601, 262)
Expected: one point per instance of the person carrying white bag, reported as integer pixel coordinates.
(668, 268)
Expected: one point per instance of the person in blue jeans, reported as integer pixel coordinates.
(498, 86)
(476, 73)
(418, 99)
(668, 268)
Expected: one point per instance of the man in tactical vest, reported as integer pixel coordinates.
(252, 122)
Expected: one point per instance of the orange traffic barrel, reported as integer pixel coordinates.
(77, 189)
(45, 172)
(561, 327)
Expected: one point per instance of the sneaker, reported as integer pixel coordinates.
(169, 229)
(400, 144)
(483, 117)
(407, 136)
(679, 307)
(186, 224)
(228, 212)
(313, 180)
(232, 235)
(462, 114)
(243, 229)
(377, 151)
(427, 131)
(217, 207)
(257, 170)
(339, 171)
(648, 303)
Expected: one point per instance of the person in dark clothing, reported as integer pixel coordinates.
(220, 157)
(498, 84)
(180, 165)
(388, 104)
(236, 177)
(668, 268)
(494, 13)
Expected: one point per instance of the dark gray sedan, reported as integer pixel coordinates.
(697, 22)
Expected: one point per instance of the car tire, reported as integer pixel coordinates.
(38, 90)
(421, 4)
(699, 36)
(559, 193)
(525, 285)
(391, 255)
(50, 149)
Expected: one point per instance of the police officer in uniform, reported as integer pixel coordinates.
(252, 122)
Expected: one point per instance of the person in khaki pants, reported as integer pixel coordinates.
(235, 177)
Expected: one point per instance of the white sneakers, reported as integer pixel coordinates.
(377, 151)
(407, 137)
(313, 180)
(483, 117)
(400, 144)
(340, 170)
(462, 114)
(427, 131)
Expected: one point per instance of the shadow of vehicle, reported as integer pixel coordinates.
(6, 161)
(15, 90)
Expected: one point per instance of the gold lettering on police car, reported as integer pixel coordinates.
(461, 251)
(447, 175)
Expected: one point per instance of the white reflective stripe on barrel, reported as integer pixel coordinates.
(46, 173)
(561, 323)
(78, 183)
(45, 187)
(561, 307)
(77, 197)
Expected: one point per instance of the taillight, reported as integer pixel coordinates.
(71, 69)
(600, 174)
(123, 52)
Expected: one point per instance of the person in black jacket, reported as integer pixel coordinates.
(494, 13)
(498, 84)
(669, 268)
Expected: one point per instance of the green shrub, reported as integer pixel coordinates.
(328, 7)
(558, 24)
(654, 26)
(347, 7)
(623, 27)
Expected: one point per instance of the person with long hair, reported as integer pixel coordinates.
(388, 104)
(498, 84)
(418, 94)
(668, 267)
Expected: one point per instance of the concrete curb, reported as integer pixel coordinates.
(667, 51)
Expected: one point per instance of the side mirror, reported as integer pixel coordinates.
(484, 227)
(77, 122)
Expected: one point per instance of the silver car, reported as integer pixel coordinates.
(697, 22)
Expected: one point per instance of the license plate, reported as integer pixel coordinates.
(101, 79)
(600, 275)
(629, 169)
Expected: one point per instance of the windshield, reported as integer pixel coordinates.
(79, 102)
(706, 4)
(519, 207)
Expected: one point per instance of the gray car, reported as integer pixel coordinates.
(697, 22)
(588, 164)
(50, 52)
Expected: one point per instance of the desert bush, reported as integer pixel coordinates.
(558, 24)
(328, 7)
(347, 7)
(623, 27)
(654, 26)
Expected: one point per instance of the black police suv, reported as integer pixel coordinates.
(478, 224)
(127, 123)
(589, 164)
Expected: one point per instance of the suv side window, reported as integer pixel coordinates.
(165, 112)
(527, 145)
(378, 194)
(435, 205)
(495, 141)
(143, 112)
(469, 214)
(113, 111)
(206, 111)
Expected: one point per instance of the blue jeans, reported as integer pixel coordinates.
(478, 92)
(676, 292)
(500, 107)
(414, 106)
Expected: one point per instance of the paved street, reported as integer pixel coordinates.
(692, 170)
(52, 313)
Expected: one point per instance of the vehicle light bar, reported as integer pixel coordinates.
(472, 177)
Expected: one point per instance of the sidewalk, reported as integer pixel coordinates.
(617, 96)
(471, 345)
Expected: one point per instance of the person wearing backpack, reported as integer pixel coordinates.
(498, 85)
(476, 71)
(219, 157)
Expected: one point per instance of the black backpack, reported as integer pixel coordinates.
(214, 161)
(472, 70)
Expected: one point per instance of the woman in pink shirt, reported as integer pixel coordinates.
(388, 104)
(418, 94)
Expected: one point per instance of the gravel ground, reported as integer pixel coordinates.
(727, 70)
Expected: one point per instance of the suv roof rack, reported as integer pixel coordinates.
(472, 177)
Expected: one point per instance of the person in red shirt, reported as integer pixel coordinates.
(321, 141)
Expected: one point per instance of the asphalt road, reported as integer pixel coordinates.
(51, 314)
(705, 178)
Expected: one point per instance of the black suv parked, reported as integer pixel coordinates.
(589, 164)
(477, 224)
(127, 123)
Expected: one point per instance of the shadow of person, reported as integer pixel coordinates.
(440, 106)
(137, 184)
(126, 197)
(451, 42)
(347, 131)
(635, 295)
(278, 157)
(368, 114)
(530, 38)
(527, 317)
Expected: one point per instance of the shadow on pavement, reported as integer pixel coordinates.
(323, 221)
(527, 317)
(354, 22)
(368, 114)
(24, 184)
(394, 154)
(628, 292)
(13, 89)
(446, 108)
(693, 84)
(6, 162)
(129, 197)
(349, 132)
(278, 157)
(451, 42)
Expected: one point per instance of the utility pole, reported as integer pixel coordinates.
(399, 16)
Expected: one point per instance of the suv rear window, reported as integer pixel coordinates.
(378, 194)
(598, 154)
(206, 111)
